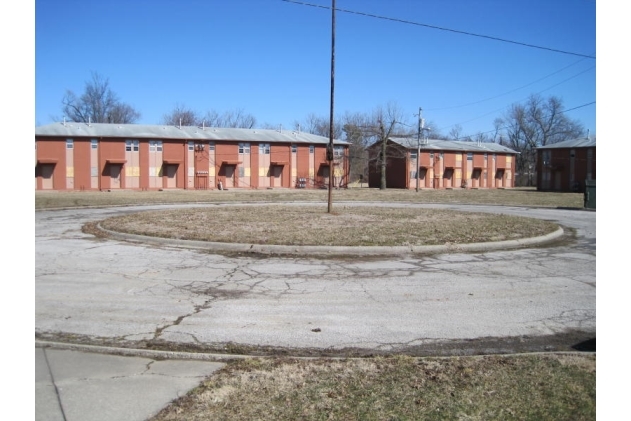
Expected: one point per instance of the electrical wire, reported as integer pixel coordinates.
(440, 28)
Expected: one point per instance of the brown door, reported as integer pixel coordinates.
(171, 174)
(115, 176)
(229, 176)
(499, 178)
(449, 173)
(277, 173)
(47, 176)
(475, 178)
(557, 180)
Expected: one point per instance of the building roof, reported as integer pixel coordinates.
(581, 142)
(451, 145)
(141, 131)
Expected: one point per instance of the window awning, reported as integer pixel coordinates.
(46, 161)
(172, 161)
(230, 162)
(278, 163)
(115, 161)
(326, 164)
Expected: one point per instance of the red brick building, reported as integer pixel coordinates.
(565, 166)
(443, 164)
(81, 156)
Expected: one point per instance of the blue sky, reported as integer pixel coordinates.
(271, 58)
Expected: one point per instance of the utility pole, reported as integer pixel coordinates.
(418, 146)
(329, 150)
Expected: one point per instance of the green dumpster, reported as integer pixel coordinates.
(590, 194)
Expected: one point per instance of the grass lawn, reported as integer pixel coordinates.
(524, 387)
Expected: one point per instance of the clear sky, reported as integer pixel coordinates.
(272, 58)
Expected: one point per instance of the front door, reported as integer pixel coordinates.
(115, 176)
(449, 173)
(229, 176)
(475, 178)
(499, 178)
(277, 173)
(171, 174)
(47, 171)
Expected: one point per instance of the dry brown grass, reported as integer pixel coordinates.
(313, 225)
(535, 387)
(513, 197)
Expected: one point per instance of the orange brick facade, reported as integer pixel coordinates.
(444, 168)
(136, 163)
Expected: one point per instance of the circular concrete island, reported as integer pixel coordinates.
(356, 229)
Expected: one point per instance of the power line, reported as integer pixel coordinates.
(511, 91)
(503, 108)
(440, 28)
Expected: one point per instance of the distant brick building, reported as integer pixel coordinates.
(565, 166)
(81, 156)
(443, 164)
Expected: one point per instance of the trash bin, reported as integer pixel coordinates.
(590, 194)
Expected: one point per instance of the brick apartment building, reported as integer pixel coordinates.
(82, 156)
(443, 164)
(565, 166)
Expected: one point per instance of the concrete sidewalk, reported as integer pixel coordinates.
(73, 385)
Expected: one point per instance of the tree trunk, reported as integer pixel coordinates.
(384, 144)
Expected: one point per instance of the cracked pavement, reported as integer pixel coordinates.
(107, 291)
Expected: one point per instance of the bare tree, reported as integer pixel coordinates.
(455, 132)
(97, 104)
(318, 125)
(181, 116)
(538, 122)
(386, 123)
(236, 118)
(354, 127)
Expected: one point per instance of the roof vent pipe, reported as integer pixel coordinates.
(587, 134)
(203, 125)
(89, 121)
(180, 123)
(64, 121)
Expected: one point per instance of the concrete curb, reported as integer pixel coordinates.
(147, 353)
(333, 250)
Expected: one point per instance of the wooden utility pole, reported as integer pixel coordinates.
(329, 149)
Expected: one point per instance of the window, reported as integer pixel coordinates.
(131, 145)
(211, 146)
(294, 148)
(244, 148)
(69, 144)
(94, 144)
(338, 151)
(412, 154)
(155, 146)
(442, 155)
(311, 149)
(431, 155)
(572, 153)
(264, 148)
(191, 146)
(469, 156)
(545, 155)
